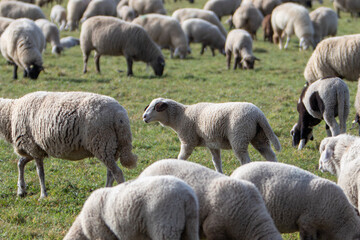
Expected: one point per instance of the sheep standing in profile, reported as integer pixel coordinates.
(222, 7)
(99, 8)
(15, 9)
(352, 6)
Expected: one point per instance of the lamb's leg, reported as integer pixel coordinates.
(116, 172)
(287, 42)
(203, 46)
(213, 51)
(25, 75)
(334, 126)
(237, 61)
(21, 180)
(228, 59)
(216, 158)
(41, 174)
(306, 232)
(241, 151)
(97, 61)
(129, 62)
(15, 71)
(261, 143)
(185, 151)
(328, 132)
(85, 59)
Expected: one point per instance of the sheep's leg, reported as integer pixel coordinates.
(213, 51)
(97, 61)
(129, 62)
(334, 126)
(203, 46)
(261, 143)
(25, 75)
(287, 42)
(216, 158)
(185, 151)
(41, 174)
(328, 132)
(241, 152)
(237, 61)
(171, 53)
(228, 59)
(15, 71)
(21, 180)
(109, 178)
(85, 59)
(116, 172)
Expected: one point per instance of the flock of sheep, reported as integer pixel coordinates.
(260, 200)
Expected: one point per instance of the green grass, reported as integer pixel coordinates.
(274, 86)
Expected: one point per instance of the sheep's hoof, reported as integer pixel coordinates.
(21, 193)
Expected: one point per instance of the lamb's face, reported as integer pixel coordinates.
(249, 62)
(33, 71)
(299, 139)
(158, 65)
(155, 111)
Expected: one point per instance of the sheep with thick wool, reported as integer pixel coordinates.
(228, 208)
(231, 125)
(75, 10)
(51, 34)
(222, 7)
(58, 16)
(15, 10)
(297, 200)
(125, 13)
(159, 207)
(67, 125)
(99, 8)
(325, 22)
(142, 7)
(4, 23)
(112, 36)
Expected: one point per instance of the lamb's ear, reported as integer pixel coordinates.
(146, 108)
(161, 106)
(326, 154)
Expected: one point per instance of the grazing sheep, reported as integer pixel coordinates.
(58, 15)
(290, 18)
(166, 31)
(248, 17)
(51, 34)
(267, 28)
(99, 8)
(222, 7)
(352, 6)
(4, 23)
(125, 13)
(14, 9)
(325, 23)
(239, 43)
(142, 7)
(266, 6)
(323, 99)
(231, 125)
(21, 45)
(67, 125)
(186, 13)
(200, 31)
(69, 42)
(300, 201)
(335, 56)
(159, 207)
(119, 38)
(75, 10)
(229, 208)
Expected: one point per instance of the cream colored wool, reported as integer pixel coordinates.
(325, 22)
(58, 16)
(75, 10)
(15, 9)
(4, 23)
(142, 7)
(222, 7)
(51, 34)
(125, 13)
(99, 8)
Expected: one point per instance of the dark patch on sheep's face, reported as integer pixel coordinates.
(249, 62)
(158, 66)
(33, 71)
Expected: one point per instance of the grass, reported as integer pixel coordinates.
(274, 86)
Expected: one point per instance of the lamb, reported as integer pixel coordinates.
(75, 10)
(248, 17)
(267, 28)
(222, 7)
(99, 7)
(186, 13)
(159, 207)
(200, 31)
(69, 42)
(325, 23)
(290, 18)
(166, 31)
(352, 6)
(58, 15)
(51, 34)
(335, 56)
(229, 208)
(266, 6)
(67, 125)
(239, 43)
(119, 38)
(231, 125)
(125, 13)
(142, 7)
(4, 23)
(324, 99)
(300, 201)
(21, 45)
(14, 9)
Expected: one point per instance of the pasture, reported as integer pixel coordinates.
(274, 86)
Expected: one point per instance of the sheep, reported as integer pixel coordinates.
(352, 6)
(300, 201)
(122, 3)
(75, 10)
(335, 56)
(126, 13)
(51, 34)
(239, 43)
(222, 7)
(69, 42)
(67, 125)
(119, 38)
(323, 99)
(228, 208)
(266, 6)
(231, 125)
(4, 23)
(248, 17)
(166, 31)
(159, 207)
(142, 7)
(200, 31)
(290, 18)
(99, 7)
(186, 13)
(325, 23)
(14, 9)
(357, 108)
(58, 15)
(267, 28)
(21, 45)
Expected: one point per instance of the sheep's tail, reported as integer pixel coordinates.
(343, 107)
(265, 126)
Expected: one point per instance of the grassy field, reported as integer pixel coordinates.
(274, 86)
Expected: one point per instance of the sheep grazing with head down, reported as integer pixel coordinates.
(159, 207)
(58, 16)
(99, 8)
(352, 6)
(112, 36)
(68, 125)
(266, 6)
(231, 125)
(222, 7)
(75, 10)
(125, 13)
(325, 22)
(51, 34)
(15, 9)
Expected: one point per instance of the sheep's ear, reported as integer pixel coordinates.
(146, 108)
(255, 58)
(161, 106)
(326, 154)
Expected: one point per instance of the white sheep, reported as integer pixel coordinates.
(352, 6)
(142, 7)
(15, 9)
(222, 7)
(229, 208)
(300, 201)
(325, 22)
(166, 31)
(119, 38)
(159, 207)
(75, 10)
(323, 99)
(21, 45)
(51, 34)
(335, 56)
(239, 43)
(125, 13)
(99, 8)
(291, 18)
(69, 42)
(200, 31)
(67, 125)
(185, 13)
(266, 6)
(58, 16)
(231, 125)
(4, 23)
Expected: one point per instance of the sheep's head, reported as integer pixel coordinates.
(301, 136)
(57, 50)
(158, 65)
(326, 150)
(155, 111)
(33, 71)
(181, 51)
(306, 42)
(248, 62)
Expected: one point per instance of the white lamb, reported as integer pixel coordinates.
(325, 22)
(99, 8)
(51, 34)
(68, 125)
(15, 9)
(142, 7)
(75, 10)
(229, 208)
(300, 201)
(160, 207)
(222, 7)
(217, 126)
(58, 16)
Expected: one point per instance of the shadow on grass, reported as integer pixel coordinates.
(260, 50)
